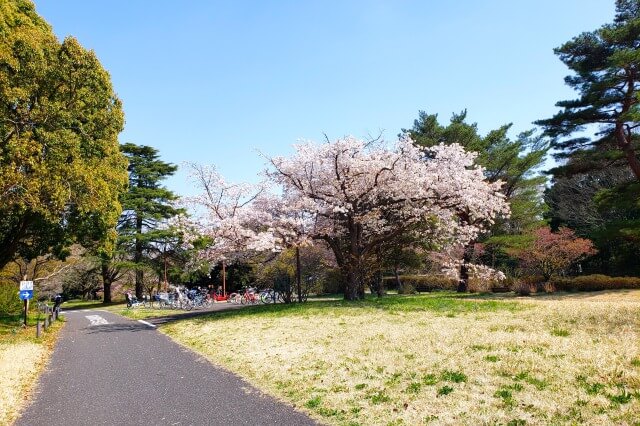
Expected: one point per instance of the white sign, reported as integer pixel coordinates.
(26, 285)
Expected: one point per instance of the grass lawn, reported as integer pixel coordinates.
(437, 358)
(22, 358)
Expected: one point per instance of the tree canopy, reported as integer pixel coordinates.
(606, 74)
(61, 171)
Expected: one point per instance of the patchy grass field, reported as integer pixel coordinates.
(22, 358)
(437, 358)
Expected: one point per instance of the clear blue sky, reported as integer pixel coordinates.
(213, 82)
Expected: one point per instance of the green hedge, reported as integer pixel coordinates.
(10, 303)
(594, 283)
(420, 283)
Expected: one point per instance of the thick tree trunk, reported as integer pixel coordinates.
(463, 283)
(354, 288)
(379, 284)
(106, 282)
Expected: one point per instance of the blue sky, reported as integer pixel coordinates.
(213, 82)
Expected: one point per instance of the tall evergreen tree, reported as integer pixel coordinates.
(514, 162)
(591, 190)
(606, 67)
(146, 206)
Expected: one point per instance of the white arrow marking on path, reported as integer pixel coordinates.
(96, 320)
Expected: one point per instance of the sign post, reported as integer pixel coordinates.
(26, 293)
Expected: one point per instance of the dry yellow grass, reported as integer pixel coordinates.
(22, 358)
(17, 364)
(558, 360)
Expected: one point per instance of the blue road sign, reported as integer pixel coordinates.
(26, 294)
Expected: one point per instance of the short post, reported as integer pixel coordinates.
(38, 329)
(46, 322)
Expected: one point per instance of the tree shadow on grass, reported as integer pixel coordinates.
(441, 303)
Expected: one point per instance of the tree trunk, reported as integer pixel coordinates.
(298, 275)
(379, 283)
(138, 260)
(106, 282)
(354, 288)
(463, 283)
(396, 274)
(625, 145)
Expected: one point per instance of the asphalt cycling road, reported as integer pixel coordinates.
(109, 370)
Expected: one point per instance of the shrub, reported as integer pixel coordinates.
(594, 283)
(422, 283)
(10, 303)
(523, 288)
(334, 282)
(407, 289)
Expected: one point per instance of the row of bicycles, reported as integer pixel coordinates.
(252, 296)
(185, 300)
(190, 299)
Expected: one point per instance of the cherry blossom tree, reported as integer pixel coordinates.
(358, 195)
(222, 215)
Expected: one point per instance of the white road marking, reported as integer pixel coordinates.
(96, 320)
(147, 323)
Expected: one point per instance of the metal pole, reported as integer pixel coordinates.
(26, 308)
(224, 278)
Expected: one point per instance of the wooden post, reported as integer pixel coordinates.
(38, 329)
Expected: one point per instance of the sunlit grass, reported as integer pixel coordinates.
(437, 358)
(22, 358)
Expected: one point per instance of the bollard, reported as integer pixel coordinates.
(45, 324)
(55, 315)
(38, 329)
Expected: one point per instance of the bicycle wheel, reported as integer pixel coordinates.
(187, 305)
(243, 300)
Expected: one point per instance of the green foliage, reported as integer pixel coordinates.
(604, 63)
(147, 205)
(594, 283)
(61, 171)
(596, 191)
(422, 283)
(601, 205)
(10, 304)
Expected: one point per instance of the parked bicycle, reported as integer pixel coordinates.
(269, 295)
(249, 296)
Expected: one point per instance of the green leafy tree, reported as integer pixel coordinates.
(61, 171)
(147, 207)
(606, 73)
(514, 162)
(600, 204)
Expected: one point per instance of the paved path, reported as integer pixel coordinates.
(108, 370)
